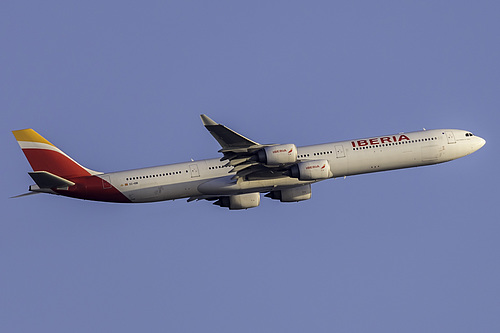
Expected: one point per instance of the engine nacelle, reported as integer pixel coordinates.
(276, 155)
(311, 170)
(294, 194)
(239, 201)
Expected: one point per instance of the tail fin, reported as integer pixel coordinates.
(44, 156)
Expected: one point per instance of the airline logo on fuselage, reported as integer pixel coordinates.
(379, 141)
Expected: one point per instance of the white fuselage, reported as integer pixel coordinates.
(210, 177)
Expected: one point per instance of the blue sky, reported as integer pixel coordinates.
(120, 85)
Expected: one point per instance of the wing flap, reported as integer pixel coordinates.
(243, 166)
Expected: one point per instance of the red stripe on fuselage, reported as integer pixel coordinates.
(54, 162)
(93, 188)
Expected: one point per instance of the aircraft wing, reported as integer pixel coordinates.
(240, 152)
(226, 137)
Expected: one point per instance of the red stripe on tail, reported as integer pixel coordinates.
(54, 162)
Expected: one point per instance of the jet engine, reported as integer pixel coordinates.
(239, 201)
(294, 194)
(311, 170)
(279, 154)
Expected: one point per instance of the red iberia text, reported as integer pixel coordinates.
(379, 141)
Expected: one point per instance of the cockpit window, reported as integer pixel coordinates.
(469, 134)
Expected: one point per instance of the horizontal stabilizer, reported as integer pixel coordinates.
(24, 194)
(46, 179)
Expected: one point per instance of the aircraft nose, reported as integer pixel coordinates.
(482, 142)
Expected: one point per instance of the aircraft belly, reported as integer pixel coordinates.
(430, 153)
(227, 185)
(383, 160)
(340, 166)
(163, 192)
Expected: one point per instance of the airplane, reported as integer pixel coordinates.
(284, 172)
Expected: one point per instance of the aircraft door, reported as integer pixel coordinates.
(195, 172)
(339, 165)
(450, 137)
(339, 151)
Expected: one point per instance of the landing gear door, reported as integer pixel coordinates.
(195, 172)
(450, 137)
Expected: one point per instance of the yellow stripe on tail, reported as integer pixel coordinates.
(30, 135)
